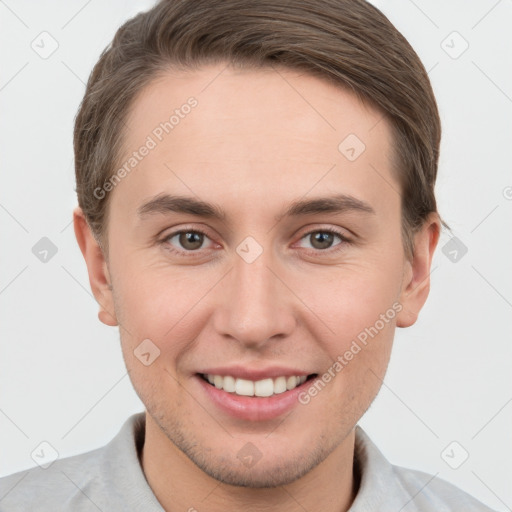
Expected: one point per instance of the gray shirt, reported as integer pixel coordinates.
(111, 479)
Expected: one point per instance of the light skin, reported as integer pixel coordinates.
(253, 145)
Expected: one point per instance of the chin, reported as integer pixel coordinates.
(267, 475)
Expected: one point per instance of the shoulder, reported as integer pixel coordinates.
(433, 493)
(385, 487)
(61, 482)
(107, 478)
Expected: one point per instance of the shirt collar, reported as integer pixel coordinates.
(379, 488)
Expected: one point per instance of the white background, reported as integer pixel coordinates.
(62, 377)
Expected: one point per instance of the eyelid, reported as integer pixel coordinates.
(345, 240)
(342, 232)
(185, 229)
(339, 232)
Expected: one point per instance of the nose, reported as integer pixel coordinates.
(256, 307)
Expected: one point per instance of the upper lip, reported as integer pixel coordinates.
(255, 374)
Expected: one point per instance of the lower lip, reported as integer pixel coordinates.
(254, 408)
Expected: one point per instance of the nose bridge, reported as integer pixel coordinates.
(255, 306)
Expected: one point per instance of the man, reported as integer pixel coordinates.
(257, 215)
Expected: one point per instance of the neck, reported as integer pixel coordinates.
(180, 485)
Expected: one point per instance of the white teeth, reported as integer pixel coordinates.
(244, 387)
(291, 382)
(262, 388)
(218, 381)
(280, 385)
(229, 384)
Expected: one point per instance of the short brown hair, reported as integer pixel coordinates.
(347, 42)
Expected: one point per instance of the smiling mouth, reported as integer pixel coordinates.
(260, 388)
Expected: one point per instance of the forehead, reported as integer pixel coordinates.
(255, 133)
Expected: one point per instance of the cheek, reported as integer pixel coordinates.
(358, 307)
(157, 301)
(154, 298)
(166, 307)
(359, 357)
(350, 300)
(157, 385)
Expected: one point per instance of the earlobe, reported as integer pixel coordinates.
(416, 283)
(97, 268)
(106, 318)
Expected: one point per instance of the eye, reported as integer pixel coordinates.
(185, 241)
(322, 240)
(189, 242)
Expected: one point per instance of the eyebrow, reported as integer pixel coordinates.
(340, 203)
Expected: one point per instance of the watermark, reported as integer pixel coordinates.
(454, 249)
(356, 346)
(45, 45)
(455, 455)
(157, 135)
(249, 455)
(146, 352)
(249, 249)
(454, 45)
(44, 455)
(44, 250)
(351, 147)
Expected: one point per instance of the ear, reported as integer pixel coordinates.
(416, 281)
(99, 278)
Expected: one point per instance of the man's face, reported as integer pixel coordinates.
(282, 297)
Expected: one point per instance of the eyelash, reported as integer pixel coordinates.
(344, 241)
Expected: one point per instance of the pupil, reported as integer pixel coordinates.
(324, 239)
(321, 239)
(191, 240)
